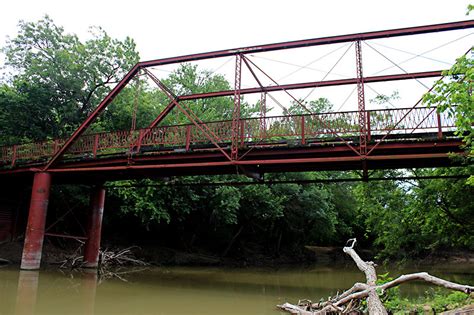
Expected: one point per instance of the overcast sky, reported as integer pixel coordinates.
(178, 27)
(174, 27)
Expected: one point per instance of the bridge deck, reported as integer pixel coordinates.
(398, 138)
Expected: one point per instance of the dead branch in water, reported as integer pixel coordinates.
(123, 257)
(107, 258)
(349, 301)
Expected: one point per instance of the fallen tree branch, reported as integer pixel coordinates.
(108, 258)
(120, 258)
(350, 299)
(374, 303)
(424, 276)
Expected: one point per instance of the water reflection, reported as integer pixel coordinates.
(79, 289)
(88, 290)
(27, 292)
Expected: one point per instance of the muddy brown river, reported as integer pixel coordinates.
(185, 291)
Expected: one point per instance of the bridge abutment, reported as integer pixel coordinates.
(94, 227)
(34, 236)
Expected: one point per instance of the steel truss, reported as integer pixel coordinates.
(237, 127)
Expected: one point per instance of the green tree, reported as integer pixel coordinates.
(320, 105)
(56, 80)
(188, 79)
(454, 96)
(407, 219)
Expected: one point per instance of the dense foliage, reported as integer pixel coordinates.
(454, 95)
(407, 219)
(56, 80)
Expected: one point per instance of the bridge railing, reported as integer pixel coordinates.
(268, 130)
(408, 121)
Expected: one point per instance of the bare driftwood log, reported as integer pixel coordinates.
(375, 306)
(350, 300)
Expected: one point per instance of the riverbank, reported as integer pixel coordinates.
(163, 256)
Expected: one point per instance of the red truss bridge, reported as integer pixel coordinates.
(414, 136)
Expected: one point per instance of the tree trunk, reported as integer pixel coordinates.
(374, 304)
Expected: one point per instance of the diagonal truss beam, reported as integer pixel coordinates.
(263, 88)
(411, 109)
(402, 118)
(189, 114)
(92, 117)
(154, 123)
(163, 114)
(306, 108)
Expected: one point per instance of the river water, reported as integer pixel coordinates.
(184, 291)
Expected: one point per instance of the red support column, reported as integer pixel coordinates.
(34, 236)
(94, 227)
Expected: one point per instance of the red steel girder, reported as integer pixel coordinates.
(271, 153)
(90, 119)
(289, 161)
(73, 237)
(295, 86)
(314, 42)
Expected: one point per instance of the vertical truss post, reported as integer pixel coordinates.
(361, 101)
(236, 114)
(263, 114)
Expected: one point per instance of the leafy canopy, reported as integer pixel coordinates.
(55, 80)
